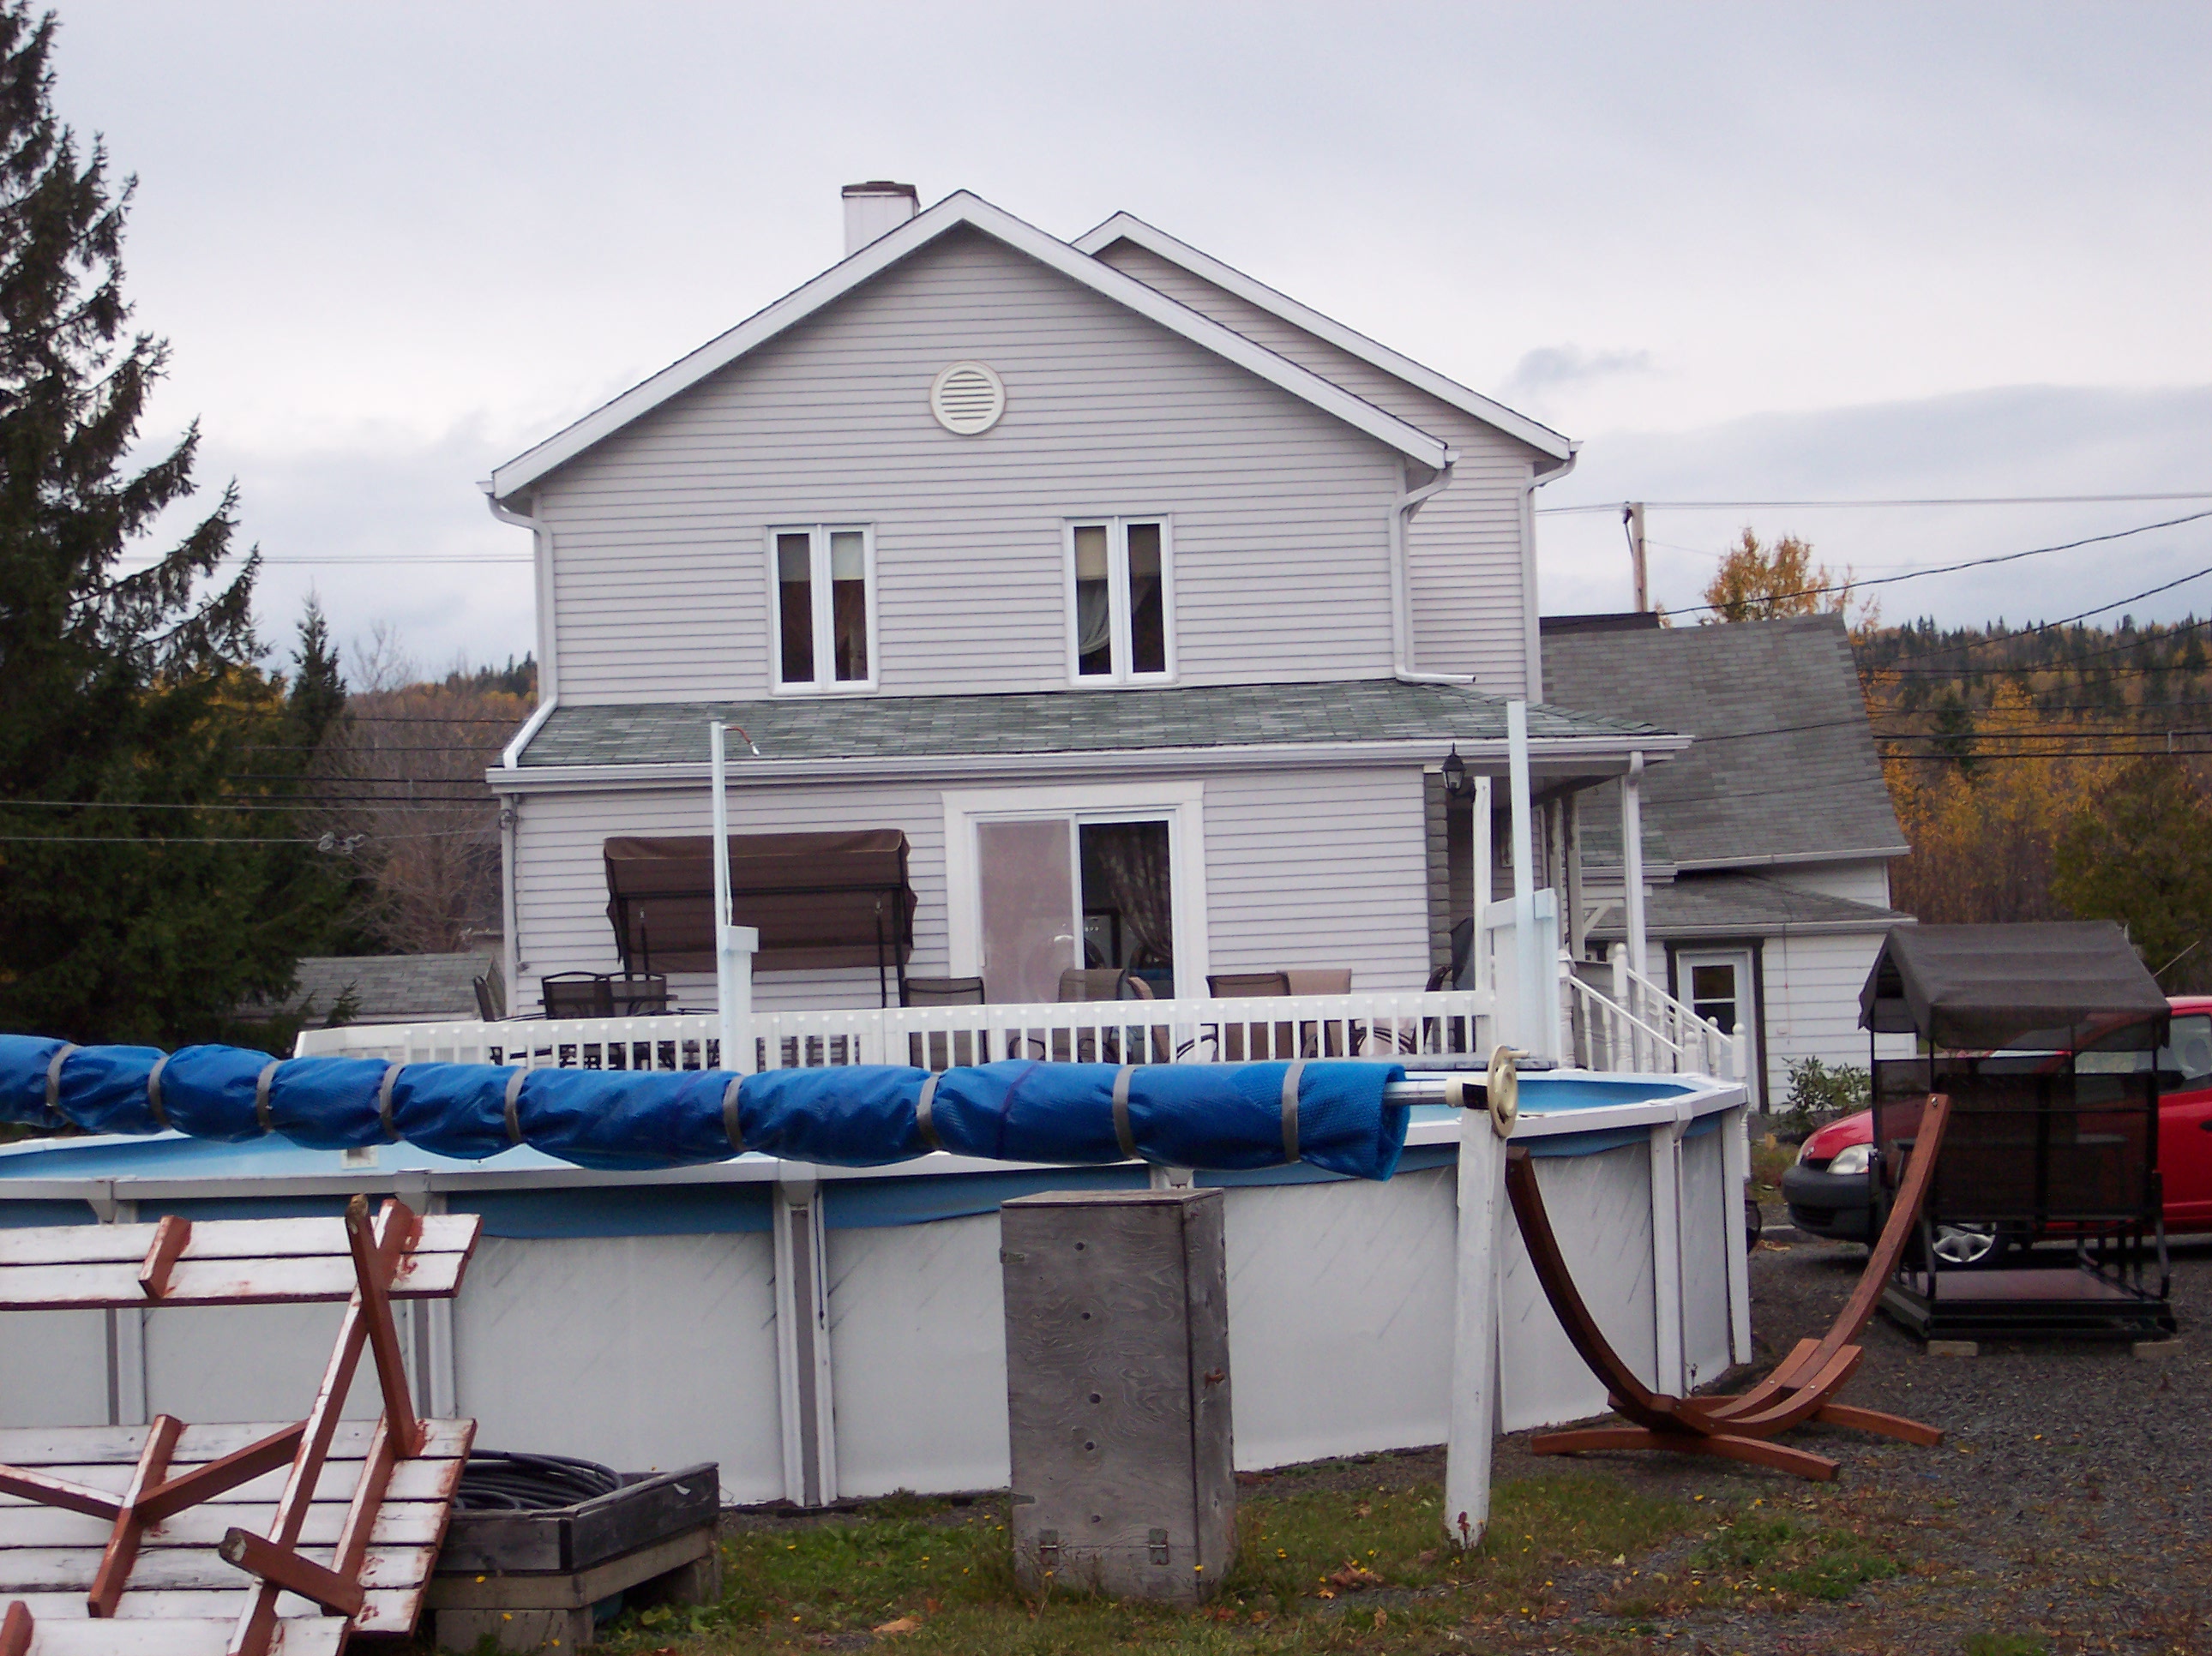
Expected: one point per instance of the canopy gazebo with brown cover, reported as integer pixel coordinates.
(819, 900)
(2044, 1036)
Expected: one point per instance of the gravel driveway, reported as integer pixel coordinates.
(2066, 1508)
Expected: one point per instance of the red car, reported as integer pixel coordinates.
(1826, 1189)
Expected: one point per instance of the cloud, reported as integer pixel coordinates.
(1559, 368)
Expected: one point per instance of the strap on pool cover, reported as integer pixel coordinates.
(384, 1102)
(261, 1084)
(513, 1107)
(54, 1078)
(1122, 1136)
(922, 1105)
(1290, 1108)
(732, 1126)
(154, 1091)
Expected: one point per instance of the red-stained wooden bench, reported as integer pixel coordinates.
(231, 1540)
(1801, 1386)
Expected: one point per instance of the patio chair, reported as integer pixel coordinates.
(1234, 1041)
(1080, 983)
(639, 994)
(1737, 1426)
(1447, 977)
(957, 1047)
(492, 995)
(576, 995)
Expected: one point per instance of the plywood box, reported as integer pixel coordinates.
(1117, 1391)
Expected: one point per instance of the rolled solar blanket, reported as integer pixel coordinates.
(1331, 1113)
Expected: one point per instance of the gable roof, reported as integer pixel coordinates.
(1127, 227)
(1784, 768)
(963, 207)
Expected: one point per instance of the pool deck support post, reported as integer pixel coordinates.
(734, 946)
(1538, 1010)
(1632, 897)
(1475, 1411)
(802, 1340)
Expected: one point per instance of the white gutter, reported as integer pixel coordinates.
(510, 757)
(1553, 756)
(1402, 598)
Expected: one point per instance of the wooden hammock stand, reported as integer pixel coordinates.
(1739, 1427)
(108, 1546)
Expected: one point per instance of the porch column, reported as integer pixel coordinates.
(1631, 858)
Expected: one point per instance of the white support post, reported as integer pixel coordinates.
(802, 1342)
(1631, 860)
(1539, 1023)
(1669, 1375)
(1735, 1187)
(734, 946)
(1475, 1404)
(1484, 852)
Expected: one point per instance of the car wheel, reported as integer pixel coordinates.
(1964, 1245)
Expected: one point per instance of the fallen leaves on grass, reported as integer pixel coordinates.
(903, 1624)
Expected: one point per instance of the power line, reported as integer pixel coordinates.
(1973, 563)
(1827, 506)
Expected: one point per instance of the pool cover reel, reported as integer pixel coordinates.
(1330, 1115)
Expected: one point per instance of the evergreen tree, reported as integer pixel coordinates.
(148, 880)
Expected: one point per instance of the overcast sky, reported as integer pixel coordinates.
(1753, 253)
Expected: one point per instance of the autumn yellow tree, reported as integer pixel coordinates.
(1763, 582)
(1986, 817)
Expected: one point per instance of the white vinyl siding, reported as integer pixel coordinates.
(1281, 511)
(1813, 986)
(1465, 552)
(1302, 869)
(1860, 880)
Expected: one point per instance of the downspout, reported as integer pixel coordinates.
(1402, 620)
(510, 820)
(1531, 626)
(510, 808)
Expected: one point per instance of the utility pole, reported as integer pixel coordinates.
(1632, 516)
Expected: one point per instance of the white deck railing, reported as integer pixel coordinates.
(1641, 1029)
(1402, 1026)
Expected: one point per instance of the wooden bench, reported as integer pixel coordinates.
(231, 1540)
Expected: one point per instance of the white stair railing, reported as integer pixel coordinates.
(1641, 1029)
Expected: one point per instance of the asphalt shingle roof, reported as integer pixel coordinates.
(1785, 764)
(1745, 904)
(1050, 721)
(386, 988)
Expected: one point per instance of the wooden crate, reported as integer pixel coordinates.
(1117, 1392)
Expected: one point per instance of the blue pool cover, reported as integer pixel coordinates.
(1330, 1115)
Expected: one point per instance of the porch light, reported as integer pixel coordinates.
(1455, 772)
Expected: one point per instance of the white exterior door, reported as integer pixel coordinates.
(1719, 984)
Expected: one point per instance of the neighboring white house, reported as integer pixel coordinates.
(1767, 846)
(1145, 602)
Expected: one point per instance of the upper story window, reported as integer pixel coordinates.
(824, 611)
(1121, 601)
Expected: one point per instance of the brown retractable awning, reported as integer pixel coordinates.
(2036, 986)
(820, 899)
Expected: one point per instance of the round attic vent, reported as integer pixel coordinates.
(966, 398)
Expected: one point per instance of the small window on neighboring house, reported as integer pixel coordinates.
(1119, 621)
(824, 609)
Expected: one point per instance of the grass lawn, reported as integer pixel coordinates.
(1321, 1568)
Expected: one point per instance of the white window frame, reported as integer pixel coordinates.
(1180, 804)
(826, 682)
(1117, 595)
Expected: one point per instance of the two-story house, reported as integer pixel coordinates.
(1141, 606)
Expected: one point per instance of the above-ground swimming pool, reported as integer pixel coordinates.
(836, 1331)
